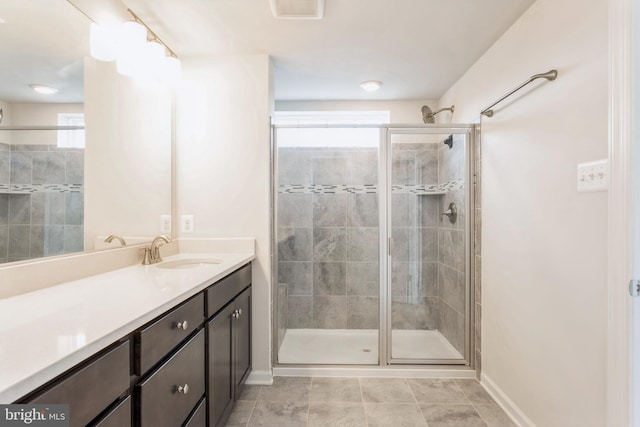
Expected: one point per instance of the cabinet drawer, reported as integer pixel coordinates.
(161, 402)
(199, 417)
(220, 293)
(156, 340)
(120, 416)
(93, 388)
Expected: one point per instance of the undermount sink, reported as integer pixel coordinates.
(176, 264)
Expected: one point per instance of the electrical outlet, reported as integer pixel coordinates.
(165, 223)
(593, 176)
(186, 222)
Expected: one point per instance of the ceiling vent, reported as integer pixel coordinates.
(297, 9)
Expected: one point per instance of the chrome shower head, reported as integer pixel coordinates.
(428, 116)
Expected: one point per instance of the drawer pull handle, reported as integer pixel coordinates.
(183, 388)
(237, 314)
(182, 325)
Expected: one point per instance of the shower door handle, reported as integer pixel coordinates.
(389, 245)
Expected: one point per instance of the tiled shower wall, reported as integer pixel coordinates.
(414, 232)
(41, 201)
(451, 238)
(328, 238)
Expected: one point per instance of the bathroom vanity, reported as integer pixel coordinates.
(177, 361)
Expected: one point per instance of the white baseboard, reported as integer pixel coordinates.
(260, 378)
(507, 405)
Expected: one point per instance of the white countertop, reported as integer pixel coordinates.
(46, 332)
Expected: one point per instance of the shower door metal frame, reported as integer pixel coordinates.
(469, 180)
(384, 183)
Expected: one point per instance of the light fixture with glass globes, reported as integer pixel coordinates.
(137, 50)
(371, 85)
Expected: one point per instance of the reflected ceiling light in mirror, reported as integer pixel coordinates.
(45, 90)
(371, 85)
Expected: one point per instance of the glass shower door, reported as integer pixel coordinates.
(327, 222)
(428, 260)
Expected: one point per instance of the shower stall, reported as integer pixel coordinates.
(372, 227)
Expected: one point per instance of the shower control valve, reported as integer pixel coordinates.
(451, 212)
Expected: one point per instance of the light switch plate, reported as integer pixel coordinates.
(186, 222)
(593, 176)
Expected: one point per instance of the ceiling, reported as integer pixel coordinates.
(42, 43)
(417, 48)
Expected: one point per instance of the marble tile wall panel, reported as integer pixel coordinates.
(298, 276)
(452, 326)
(299, 312)
(74, 167)
(295, 244)
(330, 312)
(295, 210)
(363, 312)
(48, 168)
(329, 278)
(330, 210)
(5, 167)
(363, 279)
(21, 167)
(73, 238)
(282, 312)
(363, 210)
(4, 209)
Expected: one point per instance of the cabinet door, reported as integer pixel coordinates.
(242, 337)
(220, 366)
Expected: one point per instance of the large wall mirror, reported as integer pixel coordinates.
(92, 159)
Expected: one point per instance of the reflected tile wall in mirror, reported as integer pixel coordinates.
(41, 201)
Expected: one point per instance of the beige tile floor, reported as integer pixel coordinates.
(348, 402)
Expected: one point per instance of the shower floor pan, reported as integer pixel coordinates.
(360, 346)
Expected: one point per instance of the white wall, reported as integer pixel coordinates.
(223, 166)
(127, 155)
(38, 114)
(543, 243)
(408, 112)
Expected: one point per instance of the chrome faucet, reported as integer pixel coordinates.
(152, 253)
(113, 237)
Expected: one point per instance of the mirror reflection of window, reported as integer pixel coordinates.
(71, 138)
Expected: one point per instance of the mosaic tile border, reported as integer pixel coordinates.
(40, 188)
(328, 189)
(371, 188)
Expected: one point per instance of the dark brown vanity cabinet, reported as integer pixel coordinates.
(229, 342)
(182, 369)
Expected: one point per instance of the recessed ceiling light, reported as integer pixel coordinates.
(371, 85)
(46, 90)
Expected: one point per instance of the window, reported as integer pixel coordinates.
(71, 138)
